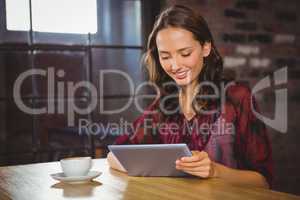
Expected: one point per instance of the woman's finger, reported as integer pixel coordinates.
(197, 156)
(193, 165)
(199, 174)
(194, 169)
(203, 162)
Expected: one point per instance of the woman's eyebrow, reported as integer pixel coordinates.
(181, 49)
(185, 48)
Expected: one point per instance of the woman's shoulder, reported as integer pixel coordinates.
(237, 91)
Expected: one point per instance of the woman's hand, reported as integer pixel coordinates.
(114, 163)
(199, 164)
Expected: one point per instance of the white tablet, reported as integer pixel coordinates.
(150, 159)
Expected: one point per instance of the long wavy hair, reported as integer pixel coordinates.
(180, 16)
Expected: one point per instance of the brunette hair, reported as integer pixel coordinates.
(180, 16)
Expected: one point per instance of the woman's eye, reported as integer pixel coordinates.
(164, 58)
(186, 54)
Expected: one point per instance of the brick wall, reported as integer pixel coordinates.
(255, 38)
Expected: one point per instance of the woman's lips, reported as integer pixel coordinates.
(181, 75)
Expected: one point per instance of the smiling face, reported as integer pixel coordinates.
(181, 55)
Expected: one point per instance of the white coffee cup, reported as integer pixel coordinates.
(76, 166)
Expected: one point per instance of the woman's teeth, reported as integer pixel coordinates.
(181, 74)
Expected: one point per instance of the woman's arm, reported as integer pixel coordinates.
(200, 165)
(245, 177)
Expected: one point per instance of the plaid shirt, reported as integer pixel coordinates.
(235, 137)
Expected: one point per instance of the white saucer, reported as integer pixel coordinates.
(76, 179)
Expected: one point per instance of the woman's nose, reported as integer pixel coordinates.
(174, 64)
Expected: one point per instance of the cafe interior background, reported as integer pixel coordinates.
(255, 38)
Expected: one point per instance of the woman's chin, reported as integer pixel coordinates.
(182, 82)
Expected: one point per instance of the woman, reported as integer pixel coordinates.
(184, 63)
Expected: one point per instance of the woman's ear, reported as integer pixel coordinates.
(206, 49)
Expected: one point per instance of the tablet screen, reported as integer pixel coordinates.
(150, 159)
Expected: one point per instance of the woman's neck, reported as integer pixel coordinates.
(186, 96)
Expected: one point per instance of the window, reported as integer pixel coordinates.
(17, 15)
(54, 16)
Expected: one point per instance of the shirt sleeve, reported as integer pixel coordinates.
(253, 146)
(143, 129)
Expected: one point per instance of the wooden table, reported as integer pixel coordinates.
(33, 182)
